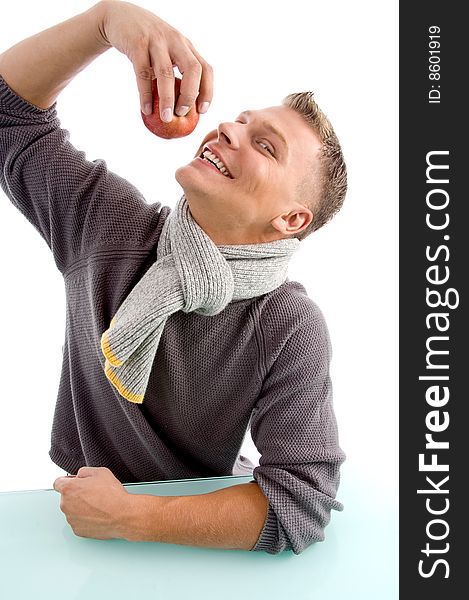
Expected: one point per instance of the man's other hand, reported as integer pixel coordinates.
(94, 502)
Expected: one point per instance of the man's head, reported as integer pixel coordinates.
(283, 175)
(324, 187)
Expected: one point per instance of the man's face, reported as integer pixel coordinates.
(267, 154)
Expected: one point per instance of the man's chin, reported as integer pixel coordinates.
(186, 175)
(179, 173)
(192, 181)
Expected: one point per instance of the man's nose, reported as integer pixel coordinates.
(228, 134)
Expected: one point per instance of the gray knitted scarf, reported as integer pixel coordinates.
(191, 274)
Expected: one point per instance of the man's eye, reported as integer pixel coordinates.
(267, 147)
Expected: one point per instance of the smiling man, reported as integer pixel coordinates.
(182, 329)
(257, 200)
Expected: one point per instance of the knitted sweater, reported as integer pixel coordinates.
(261, 363)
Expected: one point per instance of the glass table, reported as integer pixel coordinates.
(41, 557)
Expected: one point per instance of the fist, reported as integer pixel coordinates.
(179, 126)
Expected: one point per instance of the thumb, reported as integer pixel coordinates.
(87, 471)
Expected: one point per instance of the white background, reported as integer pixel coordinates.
(346, 52)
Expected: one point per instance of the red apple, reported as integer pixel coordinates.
(179, 126)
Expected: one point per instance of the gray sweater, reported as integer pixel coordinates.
(261, 363)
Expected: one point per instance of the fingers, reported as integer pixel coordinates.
(192, 72)
(163, 68)
(206, 82)
(144, 75)
(196, 85)
(155, 48)
(61, 482)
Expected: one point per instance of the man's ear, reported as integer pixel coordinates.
(293, 222)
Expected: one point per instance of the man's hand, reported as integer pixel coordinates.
(94, 502)
(98, 506)
(154, 48)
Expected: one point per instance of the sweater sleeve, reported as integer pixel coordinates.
(76, 205)
(294, 429)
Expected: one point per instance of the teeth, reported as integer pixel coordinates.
(216, 161)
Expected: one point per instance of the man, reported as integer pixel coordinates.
(182, 330)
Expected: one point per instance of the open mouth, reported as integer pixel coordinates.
(212, 158)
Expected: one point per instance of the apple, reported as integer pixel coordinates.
(179, 126)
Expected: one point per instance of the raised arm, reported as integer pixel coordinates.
(78, 205)
(41, 66)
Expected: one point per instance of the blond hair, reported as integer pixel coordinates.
(323, 195)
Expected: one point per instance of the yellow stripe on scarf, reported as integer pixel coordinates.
(127, 394)
(106, 348)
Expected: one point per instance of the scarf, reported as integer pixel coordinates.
(190, 274)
